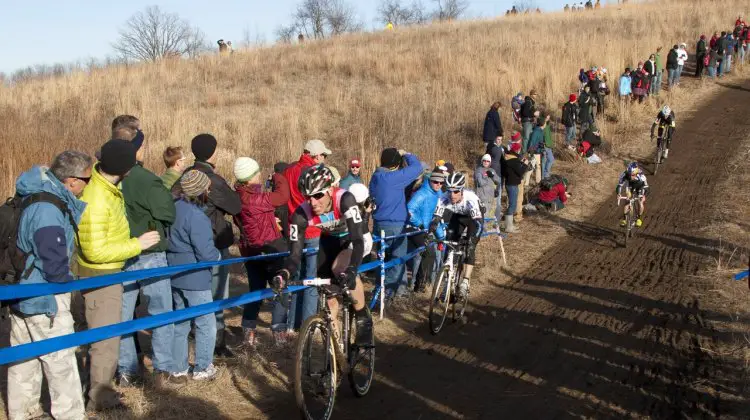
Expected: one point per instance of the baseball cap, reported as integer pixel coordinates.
(317, 147)
(355, 163)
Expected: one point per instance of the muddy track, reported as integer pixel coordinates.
(594, 330)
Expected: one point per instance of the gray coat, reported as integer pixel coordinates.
(484, 185)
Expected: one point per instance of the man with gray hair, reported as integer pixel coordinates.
(47, 231)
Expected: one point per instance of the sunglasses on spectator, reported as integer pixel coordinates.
(355, 167)
(437, 182)
(84, 179)
(317, 196)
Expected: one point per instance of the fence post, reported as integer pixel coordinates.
(381, 255)
(502, 248)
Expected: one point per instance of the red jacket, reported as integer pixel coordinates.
(292, 173)
(558, 191)
(256, 219)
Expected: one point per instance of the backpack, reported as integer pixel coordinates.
(12, 259)
(550, 182)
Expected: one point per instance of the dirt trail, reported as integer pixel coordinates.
(594, 330)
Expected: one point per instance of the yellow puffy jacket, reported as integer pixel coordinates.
(103, 231)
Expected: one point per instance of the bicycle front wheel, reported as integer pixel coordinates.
(441, 298)
(315, 370)
(657, 161)
(361, 362)
(460, 303)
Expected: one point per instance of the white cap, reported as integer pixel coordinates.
(245, 169)
(317, 147)
(487, 157)
(359, 191)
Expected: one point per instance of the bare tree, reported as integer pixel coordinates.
(524, 5)
(450, 9)
(153, 34)
(320, 19)
(398, 14)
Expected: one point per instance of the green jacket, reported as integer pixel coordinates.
(657, 61)
(170, 177)
(548, 141)
(147, 200)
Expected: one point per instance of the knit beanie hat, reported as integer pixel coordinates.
(203, 146)
(516, 136)
(487, 157)
(437, 175)
(515, 147)
(117, 157)
(573, 97)
(390, 157)
(194, 183)
(245, 169)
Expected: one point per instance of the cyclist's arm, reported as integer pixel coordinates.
(476, 226)
(654, 125)
(355, 226)
(441, 213)
(297, 228)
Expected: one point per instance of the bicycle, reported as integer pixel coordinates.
(446, 285)
(660, 147)
(629, 219)
(324, 355)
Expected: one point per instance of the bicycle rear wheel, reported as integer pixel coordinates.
(315, 370)
(361, 362)
(441, 298)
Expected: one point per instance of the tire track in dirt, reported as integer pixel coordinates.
(592, 330)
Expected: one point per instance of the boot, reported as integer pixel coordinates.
(509, 227)
(221, 349)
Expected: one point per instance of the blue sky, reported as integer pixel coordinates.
(63, 31)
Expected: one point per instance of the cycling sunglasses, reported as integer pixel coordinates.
(456, 191)
(317, 196)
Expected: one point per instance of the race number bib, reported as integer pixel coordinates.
(293, 232)
(354, 214)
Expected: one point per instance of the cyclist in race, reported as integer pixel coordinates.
(461, 210)
(336, 213)
(665, 121)
(634, 181)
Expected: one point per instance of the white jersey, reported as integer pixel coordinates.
(468, 206)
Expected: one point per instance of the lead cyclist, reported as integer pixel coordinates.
(461, 209)
(665, 120)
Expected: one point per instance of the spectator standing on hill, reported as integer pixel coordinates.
(305, 303)
(387, 188)
(659, 71)
(487, 184)
(682, 57)
(282, 211)
(46, 233)
(260, 234)
(639, 83)
(191, 241)
(721, 49)
(701, 50)
(528, 114)
(729, 52)
(570, 118)
(672, 67)
(222, 201)
(515, 107)
(626, 87)
(149, 207)
(514, 168)
(176, 163)
(496, 153)
(353, 176)
(548, 158)
(536, 146)
(493, 128)
(650, 67)
(105, 246)
(713, 62)
(585, 113)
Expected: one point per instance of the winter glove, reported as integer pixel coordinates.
(348, 278)
(279, 281)
(490, 173)
(497, 193)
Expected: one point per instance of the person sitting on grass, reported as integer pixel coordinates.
(553, 193)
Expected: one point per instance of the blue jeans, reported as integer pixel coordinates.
(394, 282)
(258, 276)
(220, 286)
(304, 304)
(205, 331)
(512, 199)
(728, 66)
(159, 293)
(570, 135)
(721, 70)
(549, 159)
(679, 73)
(526, 128)
(741, 51)
(672, 77)
(711, 71)
(656, 83)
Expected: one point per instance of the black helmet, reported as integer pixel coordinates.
(456, 181)
(314, 180)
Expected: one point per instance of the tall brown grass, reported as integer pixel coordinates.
(424, 89)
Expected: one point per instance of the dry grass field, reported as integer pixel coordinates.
(422, 89)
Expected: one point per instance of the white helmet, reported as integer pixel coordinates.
(666, 110)
(360, 192)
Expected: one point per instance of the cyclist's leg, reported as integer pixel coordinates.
(361, 312)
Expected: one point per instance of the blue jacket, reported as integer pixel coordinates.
(625, 85)
(387, 190)
(191, 240)
(46, 233)
(350, 179)
(422, 205)
(536, 142)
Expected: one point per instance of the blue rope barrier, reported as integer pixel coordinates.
(742, 274)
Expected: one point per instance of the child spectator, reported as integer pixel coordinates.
(176, 162)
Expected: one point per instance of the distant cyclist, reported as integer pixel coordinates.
(461, 210)
(634, 181)
(336, 213)
(665, 121)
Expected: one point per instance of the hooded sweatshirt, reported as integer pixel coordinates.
(387, 190)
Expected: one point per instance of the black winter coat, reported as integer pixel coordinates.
(570, 114)
(528, 108)
(513, 169)
(493, 128)
(672, 60)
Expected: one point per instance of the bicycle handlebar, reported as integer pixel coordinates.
(310, 282)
